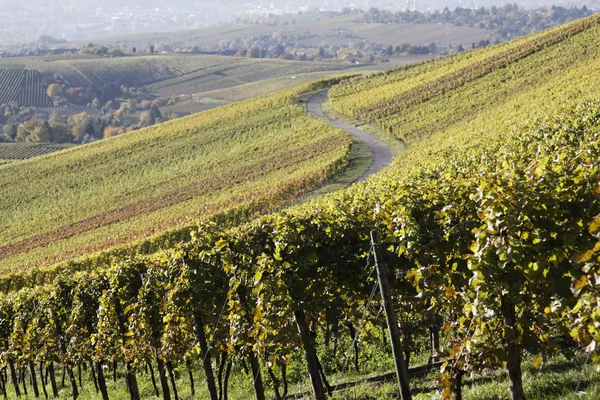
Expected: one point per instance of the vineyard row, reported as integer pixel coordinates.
(468, 243)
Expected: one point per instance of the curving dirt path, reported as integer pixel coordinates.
(382, 154)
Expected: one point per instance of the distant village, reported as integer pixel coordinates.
(23, 24)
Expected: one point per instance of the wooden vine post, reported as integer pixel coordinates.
(310, 354)
(386, 298)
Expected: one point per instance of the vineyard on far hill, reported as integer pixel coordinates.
(23, 78)
(489, 226)
(23, 86)
(82, 99)
(22, 151)
(239, 73)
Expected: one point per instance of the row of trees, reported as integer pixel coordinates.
(26, 125)
(104, 112)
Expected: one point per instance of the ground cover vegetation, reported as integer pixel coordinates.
(490, 229)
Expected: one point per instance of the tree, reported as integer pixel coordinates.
(155, 112)
(114, 52)
(254, 52)
(89, 128)
(25, 130)
(278, 50)
(78, 133)
(41, 133)
(9, 132)
(54, 90)
(61, 133)
(402, 48)
(102, 50)
(146, 119)
(110, 131)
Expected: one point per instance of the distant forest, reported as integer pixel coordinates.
(507, 22)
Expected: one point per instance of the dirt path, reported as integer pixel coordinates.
(382, 154)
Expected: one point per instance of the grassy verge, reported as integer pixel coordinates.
(560, 378)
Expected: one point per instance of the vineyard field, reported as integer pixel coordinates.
(22, 151)
(489, 224)
(241, 72)
(23, 86)
(171, 74)
(226, 84)
(186, 169)
(11, 80)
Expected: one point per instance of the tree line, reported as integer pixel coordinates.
(506, 22)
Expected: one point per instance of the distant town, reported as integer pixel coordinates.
(21, 22)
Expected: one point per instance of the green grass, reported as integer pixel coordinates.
(559, 379)
(258, 154)
(291, 79)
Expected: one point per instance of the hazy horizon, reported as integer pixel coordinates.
(22, 22)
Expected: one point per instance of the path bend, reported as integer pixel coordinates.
(382, 154)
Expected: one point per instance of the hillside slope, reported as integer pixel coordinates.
(255, 154)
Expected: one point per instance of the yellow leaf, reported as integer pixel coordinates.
(583, 257)
(595, 225)
(538, 360)
(473, 247)
(455, 350)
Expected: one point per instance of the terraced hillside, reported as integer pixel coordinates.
(490, 230)
(252, 156)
